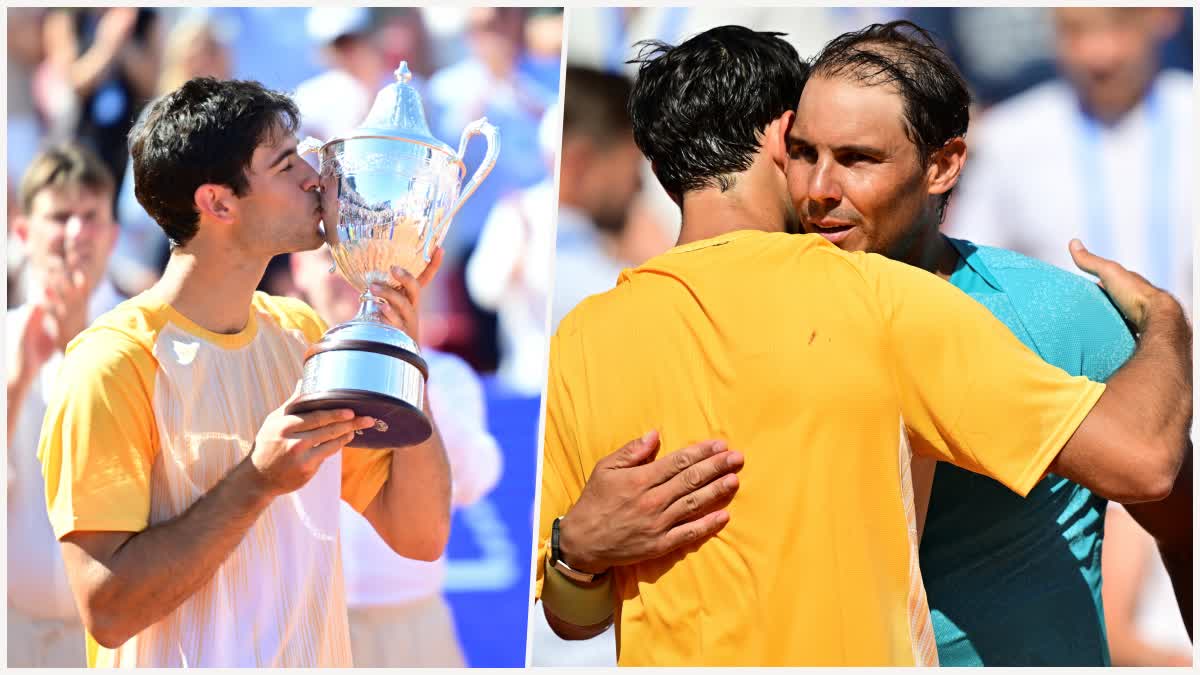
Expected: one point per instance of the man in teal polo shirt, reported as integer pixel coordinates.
(1010, 581)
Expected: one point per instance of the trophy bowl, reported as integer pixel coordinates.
(389, 191)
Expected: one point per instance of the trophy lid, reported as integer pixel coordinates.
(398, 114)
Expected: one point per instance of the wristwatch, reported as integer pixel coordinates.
(557, 563)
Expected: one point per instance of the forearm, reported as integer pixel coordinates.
(141, 64)
(86, 72)
(154, 571)
(412, 510)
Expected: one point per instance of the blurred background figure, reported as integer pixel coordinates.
(1140, 611)
(349, 44)
(599, 178)
(497, 79)
(67, 228)
(196, 46)
(110, 58)
(1098, 153)
(81, 75)
(398, 616)
(509, 271)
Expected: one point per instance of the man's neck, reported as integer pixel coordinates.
(710, 212)
(212, 288)
(932, 252)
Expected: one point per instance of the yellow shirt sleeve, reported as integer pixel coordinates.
(562, 470)
(971, 393)
(99, 437)
(364, 471)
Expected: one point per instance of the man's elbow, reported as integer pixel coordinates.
(1154, 480)
(104, 624)
(430, 543)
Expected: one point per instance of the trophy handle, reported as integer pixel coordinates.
(489, 131)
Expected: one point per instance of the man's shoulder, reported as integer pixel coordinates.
(290, 314)
(1071, 320)
(1018, 273)
(119, 345)
(132, 327)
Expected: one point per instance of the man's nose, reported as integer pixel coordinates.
(824, 186)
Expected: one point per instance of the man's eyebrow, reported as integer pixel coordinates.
(282, 155)
(859, 148)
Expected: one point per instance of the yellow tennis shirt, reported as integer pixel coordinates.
(151, 411)
(828, 370)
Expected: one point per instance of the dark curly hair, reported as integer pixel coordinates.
(905, 56)
(204, 132)
(699, 108)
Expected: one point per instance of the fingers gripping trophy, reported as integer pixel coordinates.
(389, 190)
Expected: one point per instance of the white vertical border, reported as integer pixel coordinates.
(535, 511)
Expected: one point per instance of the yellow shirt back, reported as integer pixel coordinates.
(824, 368)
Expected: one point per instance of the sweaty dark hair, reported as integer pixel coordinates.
(598, 105)
(699, 108)
(204, 132)
(904, 55)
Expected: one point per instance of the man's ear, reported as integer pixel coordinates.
(946, 165)
(216, 202)
(775, 139)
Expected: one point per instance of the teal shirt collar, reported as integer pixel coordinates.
(973, 257)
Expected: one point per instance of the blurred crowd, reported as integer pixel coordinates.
(79, 243)
(1040, 172)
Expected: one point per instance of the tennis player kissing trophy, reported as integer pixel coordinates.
(389, 190)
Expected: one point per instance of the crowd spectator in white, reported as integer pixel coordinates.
(338, 99)
(1103, 153)
(599, 178)
(67, 228)
(493, 81)
(509, 271)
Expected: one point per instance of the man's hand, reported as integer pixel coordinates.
(402, 296)
(289, 449)
(1133, 296)
(632, 511)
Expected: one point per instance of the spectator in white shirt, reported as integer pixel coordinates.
(509, 271)
(398, 617)
(1103, 153)
(599, 178)
(338, 100)
(67, 229)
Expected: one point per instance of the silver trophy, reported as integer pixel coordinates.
(389, 190)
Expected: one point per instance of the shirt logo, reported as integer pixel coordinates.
(185, 352)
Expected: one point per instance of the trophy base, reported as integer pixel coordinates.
(406, 424)
(374, 376)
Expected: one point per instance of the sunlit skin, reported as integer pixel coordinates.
(855, 176)
(281, 211)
